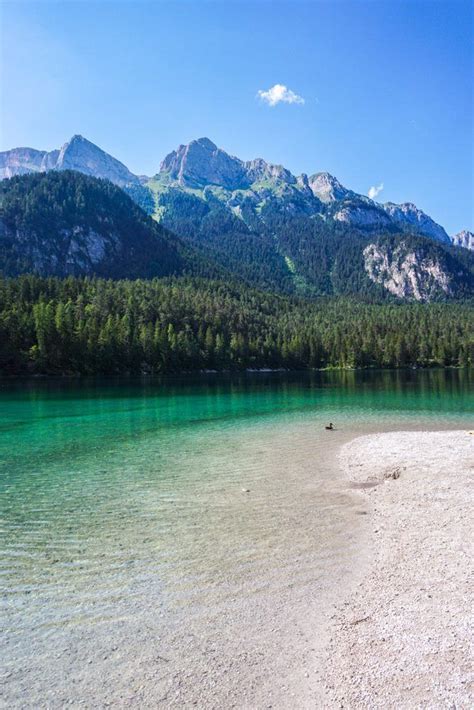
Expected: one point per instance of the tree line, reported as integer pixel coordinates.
(96, 326)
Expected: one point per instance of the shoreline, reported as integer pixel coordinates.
(401, 637)
(244, 371)
(297, 622)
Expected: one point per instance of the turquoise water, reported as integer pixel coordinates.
(179, 514)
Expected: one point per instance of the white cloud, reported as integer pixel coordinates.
(374, 191)
(279, 93)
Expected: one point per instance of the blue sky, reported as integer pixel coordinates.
(387, 87)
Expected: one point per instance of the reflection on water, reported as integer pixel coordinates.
(183, 515)
(96, 409)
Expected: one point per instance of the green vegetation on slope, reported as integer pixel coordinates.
(66, 223)
(206, 224)
(61, 223)
(270, 241)
(93, 326)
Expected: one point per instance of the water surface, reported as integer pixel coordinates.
(178, 541)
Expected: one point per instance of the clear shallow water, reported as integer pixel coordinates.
(136, 571)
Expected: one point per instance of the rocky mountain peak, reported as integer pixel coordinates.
(77, 154)
(202, 163)
(327, 188)
(259, 169)
(205, 143)
(409, 214)
(84, 156)
(75, 146)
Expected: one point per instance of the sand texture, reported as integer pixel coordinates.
(403, 638)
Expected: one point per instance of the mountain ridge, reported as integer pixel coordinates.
(259, 223)
(201, 164)
(76, 154)
(62, 223)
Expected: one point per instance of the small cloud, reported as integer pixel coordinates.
(374, 191)
(280, 94)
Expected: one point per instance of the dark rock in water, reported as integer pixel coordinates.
(392, 474)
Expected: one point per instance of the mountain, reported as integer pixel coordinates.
(418, 270)
(201, 164)
(66, 223)
(304, 235)
(464, 239)
(77, 154)
(21, 161)
(259, 223)
(82, 155)
(327, 188)
(409, 214)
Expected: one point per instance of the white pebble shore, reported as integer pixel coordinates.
(403, 639)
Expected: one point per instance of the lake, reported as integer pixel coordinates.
(180, 541)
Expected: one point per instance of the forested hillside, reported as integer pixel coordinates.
(68, 223)
(273, 290)
(62, 223)
(307, 235)
(93, 326)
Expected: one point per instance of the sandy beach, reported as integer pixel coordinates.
(403, 637)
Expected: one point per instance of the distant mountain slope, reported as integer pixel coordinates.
(201, 164)
(255, 221)
(464, 239)
(246, 187)
(21, 161)
(66, 223)
(408, 214)
(304, 235)
(77, 154)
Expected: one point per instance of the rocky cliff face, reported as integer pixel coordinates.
(77, 154)
(327, 188)
(407, 273)
(464, 239)
(20, 161)
(362, 215)
(77, 250)
(409, 214)
(82, 155)
(202, 164)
